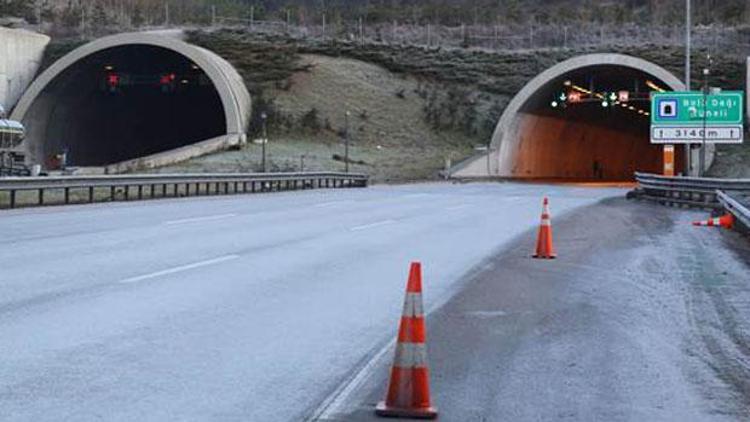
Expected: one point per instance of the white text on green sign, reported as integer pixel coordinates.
(696, 109)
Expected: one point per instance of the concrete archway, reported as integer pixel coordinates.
(531, 141)
(134, 100)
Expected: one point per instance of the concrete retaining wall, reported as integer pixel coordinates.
(21, 54)
(176, 155)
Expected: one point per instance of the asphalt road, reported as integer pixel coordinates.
(642, 318)
(233, 308)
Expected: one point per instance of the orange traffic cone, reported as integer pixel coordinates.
(544, 247)
(725, 221)
(409, 390)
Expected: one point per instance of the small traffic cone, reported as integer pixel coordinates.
(409, 390)
(544, 247)
(725, 221)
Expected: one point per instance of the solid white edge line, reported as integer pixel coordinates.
(179, 269)
(333, 404)
(373, 225)
(200, 219)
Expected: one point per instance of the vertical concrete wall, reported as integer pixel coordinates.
(20, 56)
(552, 147)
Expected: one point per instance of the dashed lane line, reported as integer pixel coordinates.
(180, 269)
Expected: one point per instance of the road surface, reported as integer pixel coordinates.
(642, 318)
(271, 307)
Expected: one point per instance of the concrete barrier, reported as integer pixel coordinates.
(21, 54)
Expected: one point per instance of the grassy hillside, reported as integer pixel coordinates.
(418, 98)
(389, 138)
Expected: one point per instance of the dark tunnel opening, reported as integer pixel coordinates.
(590, 124)
(123, 103)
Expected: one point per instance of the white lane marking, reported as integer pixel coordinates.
(180, 269)
(372, 226)
(340, 400)
(336, 403)
(330, 204)
(459, 207)
(487, 314)
(200, 219)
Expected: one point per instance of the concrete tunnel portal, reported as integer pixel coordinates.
(130, 96)
(584, 119)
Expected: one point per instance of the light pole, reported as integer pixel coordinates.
(702, 155)
(264, 117)
(346, 143)
(688, 52)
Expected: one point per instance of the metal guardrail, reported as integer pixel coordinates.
(120, 186)
(698, 192)
(733, 204)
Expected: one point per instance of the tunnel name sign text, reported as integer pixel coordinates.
(692, 118)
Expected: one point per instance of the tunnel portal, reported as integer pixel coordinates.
(586, 118)
(128, 102)
(589, 124)
(131, 96)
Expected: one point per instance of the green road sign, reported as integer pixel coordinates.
(687, 108)
(680, 117)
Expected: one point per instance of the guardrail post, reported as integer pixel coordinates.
(12, 198)
(67, 196)
(41, 196)
(91, 194)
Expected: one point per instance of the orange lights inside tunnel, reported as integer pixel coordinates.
(589, 125)
(574, 94)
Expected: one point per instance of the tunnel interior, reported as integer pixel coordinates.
(123, 103)
(589, 124)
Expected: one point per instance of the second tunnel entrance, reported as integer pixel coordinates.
(589, 124)
(584, 119)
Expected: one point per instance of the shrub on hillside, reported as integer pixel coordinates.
(310, 121)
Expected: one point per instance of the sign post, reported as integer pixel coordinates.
(669, 160)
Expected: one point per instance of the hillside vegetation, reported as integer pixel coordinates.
(643, 12)
(433, 103)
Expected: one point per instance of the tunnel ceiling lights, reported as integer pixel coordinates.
(655, 87)
(576, 94)
(115, 82)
